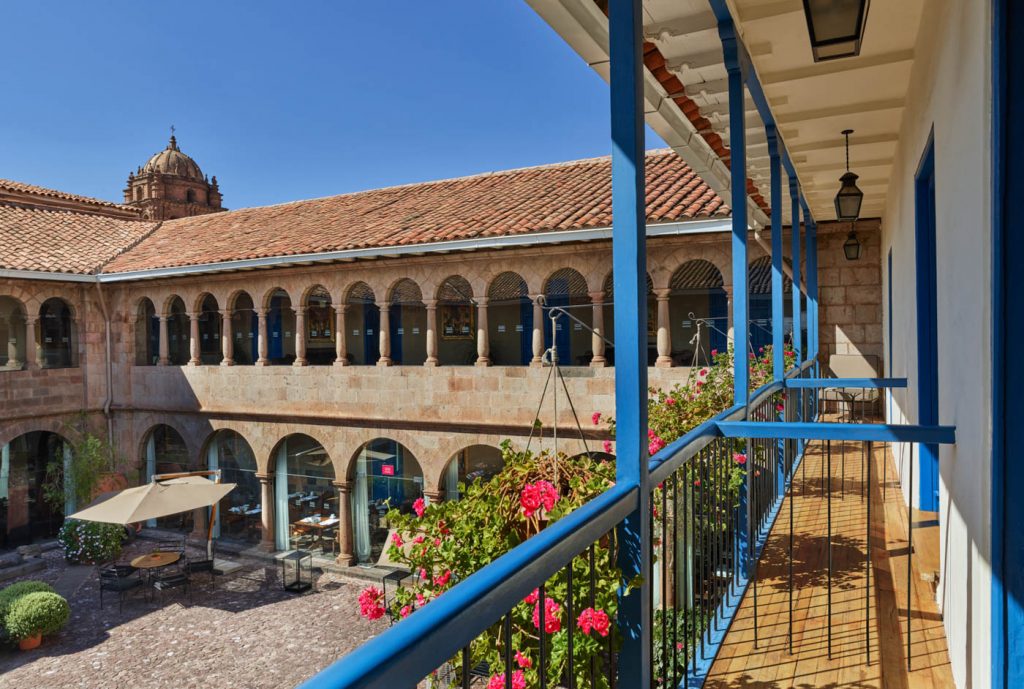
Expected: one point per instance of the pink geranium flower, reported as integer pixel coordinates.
(607, 445)
(371, 603)
(405, 611)
(498, 681)
(523, 661)
(418, 539)
(670, 401)
(593, 620)
(420, 600)
(537, 495)
(552, 616)
(442, 580)
(655, 445)
(396, 540)
(739, 458)
(418, 507)
(596, 418)
(533, 597)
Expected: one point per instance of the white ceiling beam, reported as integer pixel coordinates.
(710, 58)
(836, 67)
(840, 110)
(854, 163)
(683, 26)
(840, 143)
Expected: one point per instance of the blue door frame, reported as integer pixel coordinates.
(927, 324)
(1007, 631)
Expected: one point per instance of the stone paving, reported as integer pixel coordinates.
(247, 633)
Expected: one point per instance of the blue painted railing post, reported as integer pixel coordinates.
(812, 292)
(629, 265)
(778, 298)
(733, 52)
(794, 194)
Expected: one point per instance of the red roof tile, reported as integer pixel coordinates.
(21, 188)
(565, 196)
(63, 241)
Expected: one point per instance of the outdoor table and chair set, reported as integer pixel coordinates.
(167, 567)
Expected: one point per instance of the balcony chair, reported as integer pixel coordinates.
(849, 400)
(120, 579)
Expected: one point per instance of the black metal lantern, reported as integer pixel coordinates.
(849, 198)
(851, 247)
(836, 27)
(297, 571)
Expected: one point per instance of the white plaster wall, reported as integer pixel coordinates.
(950, 91)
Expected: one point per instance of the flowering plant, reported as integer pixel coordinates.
(90, 542)
(447, 542)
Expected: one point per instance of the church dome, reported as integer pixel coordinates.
(171, 161)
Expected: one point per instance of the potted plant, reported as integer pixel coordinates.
(90, 543)
(35, 615)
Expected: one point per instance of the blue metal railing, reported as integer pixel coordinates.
(716, 573)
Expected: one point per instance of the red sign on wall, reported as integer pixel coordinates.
(387, 469)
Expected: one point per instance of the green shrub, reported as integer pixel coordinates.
(15, 591)
(42, 612)
(90, 542)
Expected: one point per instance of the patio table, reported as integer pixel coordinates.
(155, 560)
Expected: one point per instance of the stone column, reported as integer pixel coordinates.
(164, 346)
(597, 323)
(431, 305)
(433, 497)
(227, 342)
(340, 344)
(266, 511)
(345, 555)
(483, 345)
(193, 339)
(664, 330)
(728, 310)
(32, 345)
(538, 330)
(261, 338)
(300, 336)
(12, 345)
(385, 334)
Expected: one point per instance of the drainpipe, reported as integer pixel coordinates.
(109, 366)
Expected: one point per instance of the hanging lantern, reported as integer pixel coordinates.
(849, 198)
(836, 27)
(851, 247)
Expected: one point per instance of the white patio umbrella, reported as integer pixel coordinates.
(156, 499)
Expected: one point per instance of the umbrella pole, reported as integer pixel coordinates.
(213, 519)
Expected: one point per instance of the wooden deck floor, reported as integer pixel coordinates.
(770, 665)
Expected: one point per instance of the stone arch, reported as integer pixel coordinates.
(510, 323)
(407, 323)
(386, 474)
(697, 287)
(58, 334)
(567, 288)
(456, 322)
(304, 478)
(13, 333)
(472, 461)
(239, 514)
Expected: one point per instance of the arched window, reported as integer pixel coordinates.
(510, 321)
(697, 289)
(57, 336)
(306, 502)
(147, 334)
(567, 289)
(475, 463)
(609, 320)
(245, 329)
(408, 322)
(166, 453)
(362, 325)
(13, 335)
(759, 278)
(319, 327)
(387, 476)
(25, 513)
(210, 348)
(456, 323)
(239, 513)
(280, 329)
(177, 333)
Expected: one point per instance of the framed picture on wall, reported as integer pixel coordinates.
(457, 321)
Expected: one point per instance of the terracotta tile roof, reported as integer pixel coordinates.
(63, 241)
(565, 196)
(21, 188)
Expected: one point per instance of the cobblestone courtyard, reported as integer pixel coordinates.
(247, 633)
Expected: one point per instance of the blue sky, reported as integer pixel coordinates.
(285, 101)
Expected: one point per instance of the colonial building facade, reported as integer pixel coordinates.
(339, 355)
